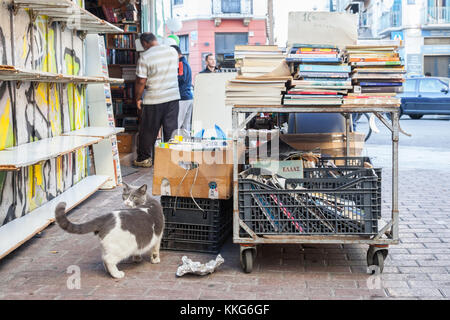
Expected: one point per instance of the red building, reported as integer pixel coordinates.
(229, 23)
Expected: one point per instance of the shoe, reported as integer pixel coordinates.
(147, 163)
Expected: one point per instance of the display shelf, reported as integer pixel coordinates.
(97, 132)
(15, 233)
(31, 153)
(67, 12)
(12, 73)
(315, 109)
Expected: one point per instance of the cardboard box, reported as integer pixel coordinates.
(125, 142)
(332, 144)
(209, 173)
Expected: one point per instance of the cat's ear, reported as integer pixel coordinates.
(143, 189)
(125, 187)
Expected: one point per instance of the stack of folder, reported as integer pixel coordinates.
(253, 61)
(321, 77)
(377, 75)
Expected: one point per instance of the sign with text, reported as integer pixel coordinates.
(323, 28)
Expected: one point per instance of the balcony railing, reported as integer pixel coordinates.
(392, 19)
(232, 8)
(436, 15)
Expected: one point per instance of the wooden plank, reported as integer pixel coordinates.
(98, 132)
(18, 231)
(11, 73)
(70, 12)
(34, 152)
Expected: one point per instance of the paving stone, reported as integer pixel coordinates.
(417, 268)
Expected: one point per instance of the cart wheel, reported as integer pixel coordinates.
(378, 260)
(247, 260)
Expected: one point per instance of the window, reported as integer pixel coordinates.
(434, 41)
(177, 2)
(184, 45)
(410, 85)
(431, 85)
(231, 6)
(225, 43)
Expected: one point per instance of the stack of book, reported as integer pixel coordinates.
(129, 73)
(377, 75)
(321, 78)
(253, 61)
(255, 91)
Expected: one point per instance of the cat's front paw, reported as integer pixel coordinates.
(118, 275)
(155, 259)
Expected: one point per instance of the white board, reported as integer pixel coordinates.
(326, 28)
(209, 102)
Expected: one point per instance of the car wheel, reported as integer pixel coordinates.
(416, 116)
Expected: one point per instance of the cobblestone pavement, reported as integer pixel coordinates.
(417, 268)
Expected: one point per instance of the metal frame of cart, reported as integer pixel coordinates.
(378, 244)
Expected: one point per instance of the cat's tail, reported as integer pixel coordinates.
(65, 224)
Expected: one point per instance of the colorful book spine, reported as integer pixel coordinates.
(324, 68)
(314, 60)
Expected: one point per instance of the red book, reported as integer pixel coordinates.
(312, 92)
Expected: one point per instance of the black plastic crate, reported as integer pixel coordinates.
(188, 228)
(341, 200)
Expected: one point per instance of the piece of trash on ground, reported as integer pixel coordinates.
(190, 266)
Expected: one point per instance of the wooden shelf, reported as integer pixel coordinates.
(97, 132)
(11, 73)
(68, 12)
(131, 49)
(34, 152)
(19, 230)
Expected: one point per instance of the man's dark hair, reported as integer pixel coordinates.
(428, 74)
(147, 37)
(176, 48)
(207, 56)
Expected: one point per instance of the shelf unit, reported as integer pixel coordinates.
(47, 160)
(122, 60)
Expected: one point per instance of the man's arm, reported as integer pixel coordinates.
(139, 91)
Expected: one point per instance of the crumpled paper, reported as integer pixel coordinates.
(190, 266)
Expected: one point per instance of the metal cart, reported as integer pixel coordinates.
(378, 244)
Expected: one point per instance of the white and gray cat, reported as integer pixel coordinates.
(123, 233)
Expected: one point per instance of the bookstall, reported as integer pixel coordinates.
(122, 58)
(334, 198)
(48, 129)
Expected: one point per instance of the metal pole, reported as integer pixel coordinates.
(270, 21)
(395, 211)
(235, 175)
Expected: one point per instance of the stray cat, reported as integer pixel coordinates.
(123, 233)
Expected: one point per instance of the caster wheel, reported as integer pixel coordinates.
(247, 260)
(376, 259)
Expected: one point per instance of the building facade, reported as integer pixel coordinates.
(423, 25)
(216, 26)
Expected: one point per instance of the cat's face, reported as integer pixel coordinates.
(134, 197)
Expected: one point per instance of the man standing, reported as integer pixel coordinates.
(185, 85)
(156, 73)
(210, 64)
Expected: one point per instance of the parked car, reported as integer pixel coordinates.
(425, 95)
